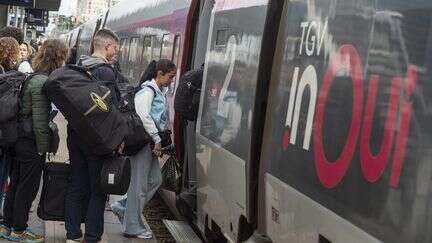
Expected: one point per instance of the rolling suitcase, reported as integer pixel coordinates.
(88, 106)
(52, 201)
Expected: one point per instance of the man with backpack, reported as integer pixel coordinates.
(86, 165)
(6, 153)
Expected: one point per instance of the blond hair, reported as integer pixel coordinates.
(102, 36)
(29, 48)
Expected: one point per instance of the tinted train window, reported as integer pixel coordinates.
(176, 52)
(349, 116)
(166, 47)
(124, 50)
(221, 37)
(134, 50)
(147, 51)
(231, 80)
(156, 47)
(175, 59)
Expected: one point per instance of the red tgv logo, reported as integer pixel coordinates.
(330, 173)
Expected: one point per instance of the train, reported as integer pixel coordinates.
(313, 123)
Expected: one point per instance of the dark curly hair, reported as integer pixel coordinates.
(51, 55)
(9, 52)
(13, 32)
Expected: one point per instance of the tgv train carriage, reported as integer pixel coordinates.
(346, 147)
(314, 116)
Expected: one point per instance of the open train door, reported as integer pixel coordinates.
(184, 130)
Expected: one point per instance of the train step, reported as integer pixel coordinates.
(181, 231)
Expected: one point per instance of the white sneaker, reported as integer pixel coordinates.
(145, 235)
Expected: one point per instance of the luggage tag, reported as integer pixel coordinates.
(111, 179)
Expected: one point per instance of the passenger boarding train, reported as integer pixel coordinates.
(315, 115)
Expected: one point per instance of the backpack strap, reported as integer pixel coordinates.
(23, 87)
(113, 84)
(153, 89)
(96, 66)
(148, 86)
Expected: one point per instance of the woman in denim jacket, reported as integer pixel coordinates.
(152, 107)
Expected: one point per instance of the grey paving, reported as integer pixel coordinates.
(55, 232)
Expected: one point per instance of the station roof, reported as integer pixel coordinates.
(50, 5)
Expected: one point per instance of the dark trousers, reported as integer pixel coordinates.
(84, 182)
(5, 164)
(26, 171)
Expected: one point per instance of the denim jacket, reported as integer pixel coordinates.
(152, 107)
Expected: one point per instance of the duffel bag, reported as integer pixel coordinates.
(88, 106)
(115, 175)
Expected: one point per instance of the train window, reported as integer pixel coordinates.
(134, 50)
(176, 51)
(221, 37)
(175, 58)
(124, 49)
(156, 47)
(166, 47)
(147, 51)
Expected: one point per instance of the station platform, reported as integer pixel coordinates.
(54, 232)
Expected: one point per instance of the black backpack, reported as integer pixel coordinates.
(115, 175)
(137, 136)
(11, 84)
(187, 98)
(88, 106)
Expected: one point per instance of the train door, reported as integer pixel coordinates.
(346, 149)
(224, 126)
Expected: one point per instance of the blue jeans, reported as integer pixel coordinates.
(84, 181)
(146, 179)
